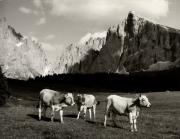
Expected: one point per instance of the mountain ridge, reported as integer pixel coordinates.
(135, 44)
(19, 53)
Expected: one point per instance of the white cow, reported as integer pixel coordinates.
(84, 102)
(56, 101)
(125, 106)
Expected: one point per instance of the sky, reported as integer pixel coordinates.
(58, 23)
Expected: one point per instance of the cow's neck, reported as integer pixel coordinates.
(136, 103)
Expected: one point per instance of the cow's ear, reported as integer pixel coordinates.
(140, 95)
(66, 95)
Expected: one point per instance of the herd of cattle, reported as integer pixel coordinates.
(115, 105)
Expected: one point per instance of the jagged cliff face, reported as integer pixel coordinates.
(109, 57)
(135, 45)
(149, 46)
(20, 57)
(78, 58)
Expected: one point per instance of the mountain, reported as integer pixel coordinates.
(149, 46)
(136, 44)
(77, 58)
(20, 57)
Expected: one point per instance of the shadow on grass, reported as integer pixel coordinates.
(49, 135)
(70, 115)
(102, 124)
(99, 123)
(36, 117)
(173, 133)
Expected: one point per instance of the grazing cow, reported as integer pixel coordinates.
(84, 102)
(56, 101)
(125, 106)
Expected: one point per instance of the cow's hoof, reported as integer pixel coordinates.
(62, 122)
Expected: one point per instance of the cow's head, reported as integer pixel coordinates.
(80, 99)
(69, 99)
(144, 101)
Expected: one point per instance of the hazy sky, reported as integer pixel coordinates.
(57, 23)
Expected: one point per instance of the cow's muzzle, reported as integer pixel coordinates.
(73, 104)
(148, 105)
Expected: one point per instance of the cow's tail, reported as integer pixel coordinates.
(108, 104)
(97, 102)
(39, 104)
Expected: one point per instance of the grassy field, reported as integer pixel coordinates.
(19, 119)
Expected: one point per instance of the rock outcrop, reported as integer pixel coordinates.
(78, 58)
(109, 58)
(135, 45)
(20, 57)
(147, 44)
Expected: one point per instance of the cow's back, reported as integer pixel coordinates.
(47, 96)
(89, 100)
(119, 104)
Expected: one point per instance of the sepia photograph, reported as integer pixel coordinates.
(90, 69)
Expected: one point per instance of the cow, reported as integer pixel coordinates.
(125, 106)
(84, 102)
(56, 101)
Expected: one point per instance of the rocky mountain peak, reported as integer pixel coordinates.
(18, 54)
(135, 44)
(74, 58)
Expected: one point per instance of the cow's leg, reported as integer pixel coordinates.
(78, 114)
(131, 122)
(90, 113)
(61, 116)
(113, 119)
(107, 111)
(44, 112)
(80, 109)
(105, 119)
(94, 111)
(135, 121)
(52, 113)
(85, 109)
(40, 113)
(135, 126)
(40, 110)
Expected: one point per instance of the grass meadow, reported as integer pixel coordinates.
(19, 119)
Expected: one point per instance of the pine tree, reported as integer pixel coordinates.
(4, 91)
